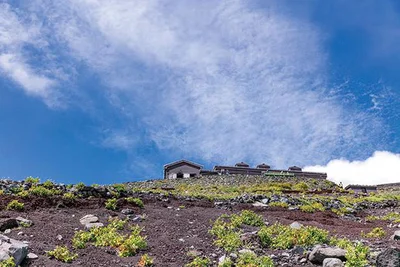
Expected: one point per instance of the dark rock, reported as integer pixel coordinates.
(389, 258)
(8, 223)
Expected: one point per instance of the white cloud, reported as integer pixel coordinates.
(382, 167)
(219, 81)
(15, 34)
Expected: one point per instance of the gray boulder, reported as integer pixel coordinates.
(319, 253)
(388, 258)
(88, 219)
(13, 248)
(296, 225)
(332, 262)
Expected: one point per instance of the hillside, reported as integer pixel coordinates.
(214, 221)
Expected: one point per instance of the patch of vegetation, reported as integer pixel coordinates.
(80, 186)
(42, 191)
(120, 188)
(69, 196)
(302, 186)
(391, 216)
(23, 194)
(109, 236)
(32, 180)
(15, 205)
(137, 201)
(227, 262)
(312, 207)
(111, 204)
(356, 253)
(377, 232)
(145, 261)
(62, 253)
(8, 262)
(247, 259)
(16, 189)
(48, 184)
(280, 236)
(227, 230)
(199, 262)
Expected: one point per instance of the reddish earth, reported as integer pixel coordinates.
(171, 231)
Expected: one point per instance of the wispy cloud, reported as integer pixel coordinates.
(219, 81)
(16, 36)
(382, 167)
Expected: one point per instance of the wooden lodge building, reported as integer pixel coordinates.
(187, 169)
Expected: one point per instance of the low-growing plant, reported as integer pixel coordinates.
(312, 207)
(8, 262)
(62, 253)
(111, 204)
(145, 261)
(302, 186)
(249, 217)
(280, 236)
(42, 191)
(48, 184)
(127, 245)
(32, 180)
(377, 232)
(356, 253)
(227, 235)
(120, 188)
(23, 194)
(279, 204)
(80, 186)
(16, 189)
(69, 196)
(1, 192)
(137, 201)
(15, 205)
(247, 259)
(199, 262)
(227, 262)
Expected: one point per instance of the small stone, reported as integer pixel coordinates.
(127, 211)
(88, 219)
(7, 231)
(32, 256)
(332, 262)
(319, 253)
(59, 237)
(23, 222)
(296, 225)
(303, 260)
(181, 240)
(245, 250)
(91, 225)
(285, 254)
(20, 233)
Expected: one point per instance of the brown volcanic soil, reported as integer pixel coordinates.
(171, 232)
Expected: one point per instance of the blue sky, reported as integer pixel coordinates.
(109, 91)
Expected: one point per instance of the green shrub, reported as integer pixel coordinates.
(15, 205)
(16, 189)
(312, 207)
(199, 262)
(137, 201)
(31, 180)
(80, 186)
(127, 245)
(228, 236)
(42, 191)
(145, 261)
(249, 217)
(251, 259)
(356, 253)
(8, 262)
(377, 232)
(302, 186)
(62, 253)
(120, 188)
(23, 194)
(69, 196)
(111, 204)
(280, 236)
(226, 263)
(48, 184)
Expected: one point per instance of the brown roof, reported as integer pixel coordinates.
(180, 162)
(242, 164)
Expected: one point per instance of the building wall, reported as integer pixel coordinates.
(186, 170)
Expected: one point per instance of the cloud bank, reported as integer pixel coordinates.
(382, 167)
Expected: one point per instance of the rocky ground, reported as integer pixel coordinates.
(178, 228)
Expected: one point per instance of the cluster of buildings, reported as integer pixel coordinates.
(188, 169)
